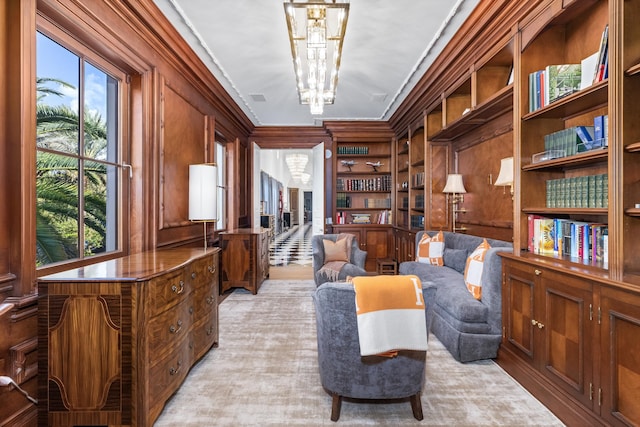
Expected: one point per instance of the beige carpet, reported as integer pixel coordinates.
(265, 373)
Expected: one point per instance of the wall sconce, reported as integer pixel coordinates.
(455, 187)
(203, 186)
(505, 177)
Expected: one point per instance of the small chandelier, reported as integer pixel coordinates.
(316, 33)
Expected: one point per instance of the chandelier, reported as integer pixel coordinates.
(297, 163)
(316, 33)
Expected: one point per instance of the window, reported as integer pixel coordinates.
(221, 161)
(78, 181)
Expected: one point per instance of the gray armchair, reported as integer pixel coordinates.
(354, 268)
(344, 372)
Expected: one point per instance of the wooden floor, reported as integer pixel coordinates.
(291, 272)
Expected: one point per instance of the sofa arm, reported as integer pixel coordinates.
(491, 280)
(358, 257)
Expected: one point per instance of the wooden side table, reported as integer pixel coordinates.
(387, 266)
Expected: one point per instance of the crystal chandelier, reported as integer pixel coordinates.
(316, 33)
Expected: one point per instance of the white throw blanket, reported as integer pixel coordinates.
(391, 314)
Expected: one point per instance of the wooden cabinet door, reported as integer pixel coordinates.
(620, 357)
(405, 246)
(379, 244)
(518, 308)
(565, 331)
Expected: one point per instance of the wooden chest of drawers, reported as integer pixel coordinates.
(117, 338)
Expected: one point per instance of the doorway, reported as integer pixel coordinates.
(308, 206)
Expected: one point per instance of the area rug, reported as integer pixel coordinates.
(265, 373)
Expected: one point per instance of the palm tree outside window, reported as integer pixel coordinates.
(77, 181)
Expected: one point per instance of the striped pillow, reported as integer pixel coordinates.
(430, 249)
(473, 269)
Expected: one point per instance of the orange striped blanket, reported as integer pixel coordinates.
(391, 314)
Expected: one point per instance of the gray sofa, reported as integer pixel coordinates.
(344, 372)
(468, 328)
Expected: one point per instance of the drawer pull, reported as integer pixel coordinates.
(210, 300)
(537, 272)
(175, 330)
(193, 275)
(178, 290)
(173, 371)
(210, 330)
(191, 310)
(212, 269)
(540, 325)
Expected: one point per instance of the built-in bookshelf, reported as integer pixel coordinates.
(417, 175)
(564, 163)
(402, 182)
(363, 183)
(571, 286)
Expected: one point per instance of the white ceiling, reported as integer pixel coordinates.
(388, 47)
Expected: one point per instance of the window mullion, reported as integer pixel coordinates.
(81, 157)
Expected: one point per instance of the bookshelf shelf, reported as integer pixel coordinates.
(498, 104)
(566, 211)
(590, 98)
(634, 212)
(633, 70)
(577, 160)
(633, 147)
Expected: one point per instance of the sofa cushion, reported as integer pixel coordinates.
(473, 269)
(432, 273)
(430, 249)
(455, 258)
(455, 299)
(335, 251)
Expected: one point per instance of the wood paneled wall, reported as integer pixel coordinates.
(177, 110)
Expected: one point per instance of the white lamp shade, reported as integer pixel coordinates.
(505, 177)
(203, 186)
(454, 184)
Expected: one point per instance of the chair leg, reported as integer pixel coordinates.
(416, 406)
(336, 406)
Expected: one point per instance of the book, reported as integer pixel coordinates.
(588, 68)
(530, 236)
(599, 72)
(600, 128)
(546, 236)
(561, 80)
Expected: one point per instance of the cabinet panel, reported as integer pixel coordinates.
(620, 355)
(518, 309)
(245, 258)
(568, 333)
(378, 245)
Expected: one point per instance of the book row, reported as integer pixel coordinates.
(353, 150)
(417, 221)
(591, 191)
(382, 217)
(417, 180)
(576, 139)
(381, 183)
(563, 237)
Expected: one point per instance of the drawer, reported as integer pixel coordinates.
(204, 334)
(201, 271)
(169, 329)
(168, 290)
(204, 301)
(168, 373)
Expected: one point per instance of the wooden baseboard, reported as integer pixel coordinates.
(565, 407)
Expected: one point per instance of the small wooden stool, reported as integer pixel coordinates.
(387, 266)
